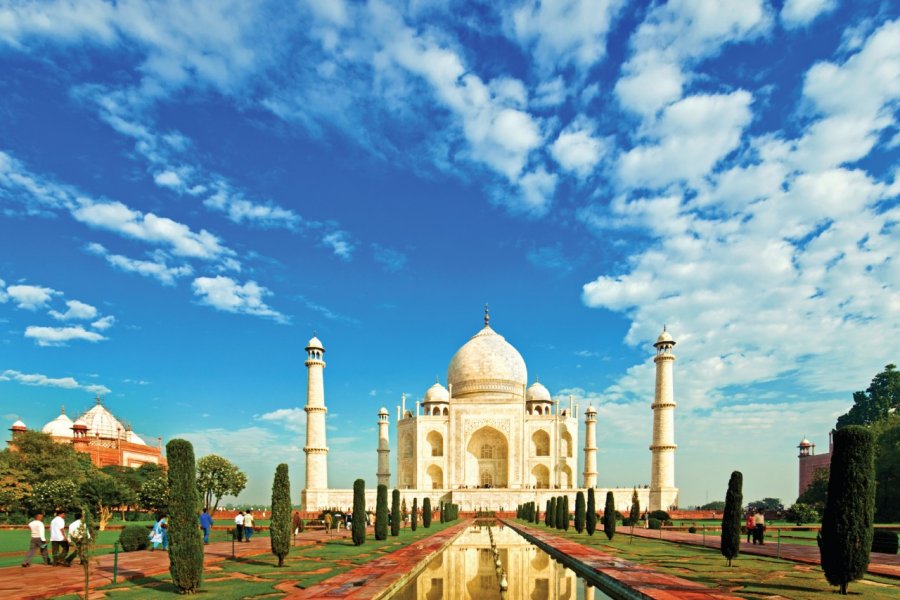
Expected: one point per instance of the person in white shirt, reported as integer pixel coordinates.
(58, 541)
(38, 540)
(239, 526)
(76, 530)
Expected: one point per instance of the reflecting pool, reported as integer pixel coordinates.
(467, 569)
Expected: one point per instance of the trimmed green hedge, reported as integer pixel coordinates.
(134, 537)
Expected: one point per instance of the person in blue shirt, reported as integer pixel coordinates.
(205, 524)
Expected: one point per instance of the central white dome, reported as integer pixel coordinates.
(487, 363)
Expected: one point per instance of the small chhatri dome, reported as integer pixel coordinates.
(664, 338)
(18, 426)
(315, 344)
(537, 392)
(805, 443)
(437, 393)
(61, 426)
(383, 411)
(487, 363)
(591, 410)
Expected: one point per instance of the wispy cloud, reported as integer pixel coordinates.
(61, 336)
(225, 294)
(390, 260)
(38, 379)
(76, 311)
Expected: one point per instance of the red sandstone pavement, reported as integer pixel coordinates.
(377, 578)
(39, 581)
(886, 565)
(646, 582)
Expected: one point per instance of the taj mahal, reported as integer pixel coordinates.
(488, 440)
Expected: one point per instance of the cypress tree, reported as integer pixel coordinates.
(635, 513)
(537, 514)
(609, 516)
(730, 545)
(845, 539)
(441, 511)
(358, 527)
(185, 539)
(590, 522)
(280, 525)
(414, 517)
(547, 514)
(395, 513)
(558, 521)
(381, 513)
(426, 513)
(551, 513)
(579, 511)
(566, 513)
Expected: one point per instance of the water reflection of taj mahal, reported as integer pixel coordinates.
(489, 439)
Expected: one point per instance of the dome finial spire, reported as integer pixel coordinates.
(487, 315)
(62, 409)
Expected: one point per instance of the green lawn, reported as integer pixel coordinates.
(258, 575)
(751, 576)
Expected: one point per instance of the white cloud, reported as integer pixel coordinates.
(31, 297)
(797, 13)
(292, 419)
(535, 192)
(390, 260)
(224, 293)
(564, 32)
(339, 242)
(38, 379)
(60, 336)
(576, 148)
(104, 323)
(694, 134)
(76, 311)
(3, 295)
(157, 269)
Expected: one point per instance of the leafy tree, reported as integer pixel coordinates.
(47, 496)
(877, 402)
(414, 517)
(154, 494)
(395, 513)
(381, 513)
(83, 538)
(103, 494)
(730, 545)
(218, 477)
(591, 517)
(41, 459)
(358, 527)
(280, 524)
(551, 514)
(579, 511)
(426, 513)
(14, 488)
(817, 492)
(887, 470)
(801, 513)
(773, 504)
(185, 540)
(847, 525)
(609, 516)
(716, 505)
(635, 513)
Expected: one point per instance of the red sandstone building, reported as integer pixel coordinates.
(98, 433)
(810, 462)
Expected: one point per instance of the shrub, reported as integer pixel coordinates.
(426, 513)
(885, 542)
(185, 540)
(627, 521)
(395, 513)
(381, 513)
(134, 537)
(590, 522)
(692, 529)
(609, 516)
(579, 511)
(730, 544)
(358, 527)
(845, 539)
(659, 514)
(280, 525)
(655, 524)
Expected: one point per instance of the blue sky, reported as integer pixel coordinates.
(189, 190)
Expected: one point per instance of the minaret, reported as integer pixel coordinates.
(316, 450)
(590, 448)
(384, 449)
(662, 470)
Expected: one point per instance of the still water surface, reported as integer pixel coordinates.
(466, 570)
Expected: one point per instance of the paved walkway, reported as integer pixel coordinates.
(886, 565)
(378, 578)
(632, 580)
(40, 581)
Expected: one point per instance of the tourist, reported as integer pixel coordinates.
(38, 540)
(248, 526)
(58, 542)
(297, 523)
(76, 531)
(159, 534)
(239, 526)
(759, 523)
(205, 524)
(751, 526)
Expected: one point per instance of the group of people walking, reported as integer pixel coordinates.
(756, 526)
(243, 526)
(61, 539)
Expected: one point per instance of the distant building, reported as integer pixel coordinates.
(98, 433)
(810, 462)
